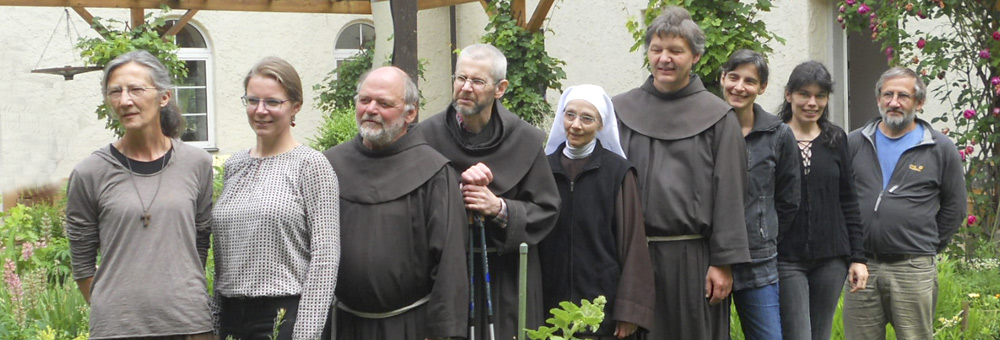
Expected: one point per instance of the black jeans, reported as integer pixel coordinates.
(253, 318)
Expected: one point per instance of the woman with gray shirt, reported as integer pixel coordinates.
(144, 202)
(277, 224)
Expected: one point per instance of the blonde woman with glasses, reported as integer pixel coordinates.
(277, 225)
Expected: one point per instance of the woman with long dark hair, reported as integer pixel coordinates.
(823, 244)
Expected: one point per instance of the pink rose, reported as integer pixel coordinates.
(969, 114)
(962, 153)
(996, 112)
(972, 219)
(850, 2)
(863, 9)
(842, 8)
(996, 35)
(921, 43)
(969, 150)
(995, 81)
(984, 54)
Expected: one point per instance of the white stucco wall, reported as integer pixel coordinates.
(47, 125)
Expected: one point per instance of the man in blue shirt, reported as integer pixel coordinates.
(911, 191)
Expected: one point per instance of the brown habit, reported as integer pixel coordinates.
(691, 163)
(403, 238)
(521, 175)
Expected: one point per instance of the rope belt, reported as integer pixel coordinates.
(651, 239)
(385, 315)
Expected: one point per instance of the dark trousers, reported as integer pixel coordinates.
(253, 318)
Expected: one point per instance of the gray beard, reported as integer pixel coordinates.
(475, 110)
(381, 137)
(897, 124)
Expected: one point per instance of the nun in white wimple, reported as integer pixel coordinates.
(598, 246)
(563, 129)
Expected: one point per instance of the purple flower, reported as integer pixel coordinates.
(969, 114)
(996, 35)
(850, 2)
(921, 43)
(995, 81)
(842, 8)
(27, 250)
(984, 54)
(973, 219)
(863, 9)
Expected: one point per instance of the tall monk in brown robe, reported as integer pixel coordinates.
(505, 179)
(403, 267)
(691, 160)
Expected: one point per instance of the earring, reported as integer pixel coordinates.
(293, 121)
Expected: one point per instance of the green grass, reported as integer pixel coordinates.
(977, 284)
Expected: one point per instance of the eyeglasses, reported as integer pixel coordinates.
(586, 120)
(116, 94)
(476, 82)
(269, 103)
(901, 97)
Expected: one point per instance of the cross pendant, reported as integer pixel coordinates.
(145, 219)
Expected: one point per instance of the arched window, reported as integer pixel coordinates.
(194, 93)
(352, 39)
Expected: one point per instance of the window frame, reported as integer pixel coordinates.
(205, 55)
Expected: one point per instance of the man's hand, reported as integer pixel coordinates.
(625, 329)
(857, 275)
(481, 199)
(475, 193)
(718, 283)
(478, 174)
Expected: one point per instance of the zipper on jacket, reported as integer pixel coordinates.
(879, 200)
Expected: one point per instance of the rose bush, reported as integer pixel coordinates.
(951, 44)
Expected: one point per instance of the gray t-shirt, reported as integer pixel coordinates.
(151, 279)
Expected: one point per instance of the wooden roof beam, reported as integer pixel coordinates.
(428, 4)
(289, 6)
(89, 18)
(541, 11)
(180, 23)
(138, 16)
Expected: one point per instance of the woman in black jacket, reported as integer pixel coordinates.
(598, 246)
(823, 244)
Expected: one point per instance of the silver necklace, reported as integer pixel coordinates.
(145, 209)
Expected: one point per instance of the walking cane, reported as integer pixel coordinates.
(486, 276)
(522, 291)
(472, 285)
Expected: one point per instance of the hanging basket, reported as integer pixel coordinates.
(67, 71)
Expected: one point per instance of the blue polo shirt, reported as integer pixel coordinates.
(890, 149)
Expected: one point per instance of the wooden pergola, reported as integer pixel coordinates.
(404, 14)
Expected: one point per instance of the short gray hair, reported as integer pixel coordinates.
(677, 21)
(487, 51)
(919, 88)
(171, 120)
(411, 94)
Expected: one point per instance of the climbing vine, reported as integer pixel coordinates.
(115, 42)
(530, 69)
